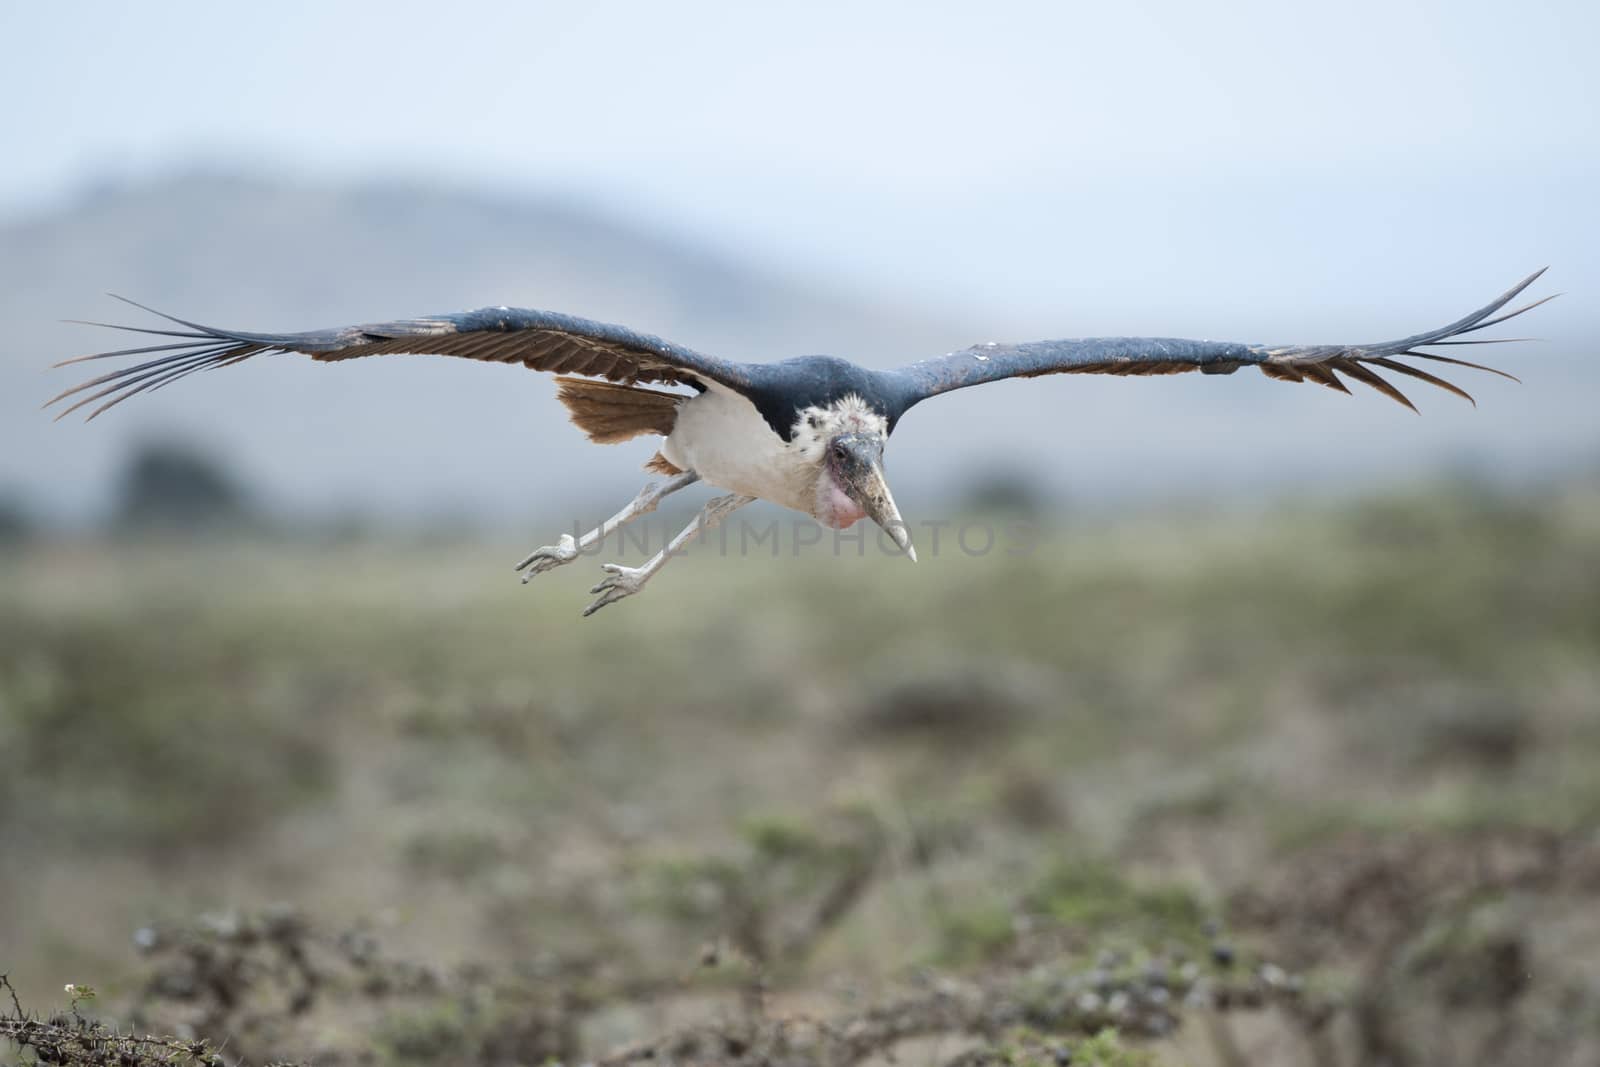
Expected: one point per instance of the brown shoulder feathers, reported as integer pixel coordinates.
(610, 413)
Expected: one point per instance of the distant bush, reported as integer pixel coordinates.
(16, 523)
(173, 485)
(1005, 491)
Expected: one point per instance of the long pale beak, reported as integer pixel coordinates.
(880, 506)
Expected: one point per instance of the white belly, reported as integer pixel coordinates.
(723, 438)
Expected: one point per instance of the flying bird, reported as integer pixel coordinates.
(806, 433)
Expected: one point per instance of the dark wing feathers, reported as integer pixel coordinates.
(1322, 364)
(542, 340)
(565, 344)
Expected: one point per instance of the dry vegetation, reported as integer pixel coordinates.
(1319, 786)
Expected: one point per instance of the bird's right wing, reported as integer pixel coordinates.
(1322, 364)
(541, 340)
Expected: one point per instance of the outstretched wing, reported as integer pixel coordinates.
(542, 340)
(1322, 364)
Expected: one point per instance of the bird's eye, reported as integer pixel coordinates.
(840, 452)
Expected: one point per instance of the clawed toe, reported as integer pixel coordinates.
(621, 582)
(549, 557)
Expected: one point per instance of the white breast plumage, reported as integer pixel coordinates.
(722, 437)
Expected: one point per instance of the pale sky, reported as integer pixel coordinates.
(950, 146)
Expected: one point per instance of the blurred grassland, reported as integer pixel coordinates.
(1147, 716)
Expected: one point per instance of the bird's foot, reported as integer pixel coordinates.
(623, 582)
(549, 557)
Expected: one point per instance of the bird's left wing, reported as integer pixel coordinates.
(1322, 364)
(541, 340)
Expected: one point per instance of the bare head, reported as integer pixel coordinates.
(846, 441)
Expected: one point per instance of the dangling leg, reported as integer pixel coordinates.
(626, 581)
(566, 550)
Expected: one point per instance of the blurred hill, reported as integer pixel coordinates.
(429, 438)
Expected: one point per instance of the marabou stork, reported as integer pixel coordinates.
(807, 433)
